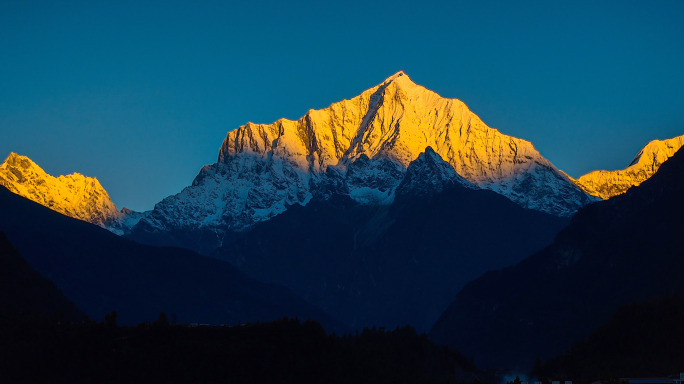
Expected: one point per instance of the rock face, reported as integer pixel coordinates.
(606, 184)
(73, 195)
(360, 147)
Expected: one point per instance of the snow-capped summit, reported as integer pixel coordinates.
(400, 73)
(397, 120)
(73, 195)
(606, 184)
(263, 168)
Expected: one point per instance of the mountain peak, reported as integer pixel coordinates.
(429, 153)
(430, 174)
(395, 76)
(657, 152)
(429, 156)
(401, 80)
(73, 195)
(16, 160)
(264, 168)
(394, 120)
(606, 184)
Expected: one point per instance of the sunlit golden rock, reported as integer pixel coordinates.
(606, 184)
(398, 120)
(73, 195)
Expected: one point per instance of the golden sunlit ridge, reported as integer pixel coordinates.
(73, 195)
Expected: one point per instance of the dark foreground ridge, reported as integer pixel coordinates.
(23, 290)
(613, 253)
(100, 272)
(36, 350)
(641, 340)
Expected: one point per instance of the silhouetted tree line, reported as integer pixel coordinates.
(644, 339)
(52, 350)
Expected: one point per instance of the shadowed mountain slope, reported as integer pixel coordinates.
(613, 253)
(643, 339)
(392, 265)
(24, 292)
(102, 272)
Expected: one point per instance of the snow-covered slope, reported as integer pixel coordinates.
(606, 184)
(73, 195)
(360, 147)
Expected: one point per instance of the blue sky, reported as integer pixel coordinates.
(142, 95)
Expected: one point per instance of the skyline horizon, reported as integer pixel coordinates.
(141, 95)
(119, 205)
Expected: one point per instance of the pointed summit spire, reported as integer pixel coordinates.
(400, 74)
(12, 156)
(15, 159)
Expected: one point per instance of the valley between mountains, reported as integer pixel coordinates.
(395, 207)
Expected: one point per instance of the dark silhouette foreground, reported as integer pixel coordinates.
(46, 350)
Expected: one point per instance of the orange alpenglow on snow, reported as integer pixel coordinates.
(606, 184)
(73, 195)
(397, 119)
(360, 147)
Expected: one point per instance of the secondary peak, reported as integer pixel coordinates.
(15, 159)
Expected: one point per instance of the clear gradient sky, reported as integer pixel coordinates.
(141, 96)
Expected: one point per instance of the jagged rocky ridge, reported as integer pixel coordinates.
(429, 175)
(72, 195)
(359, 147)
(606, 184)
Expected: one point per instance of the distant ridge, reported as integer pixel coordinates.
(72, 195)
(606, 184)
